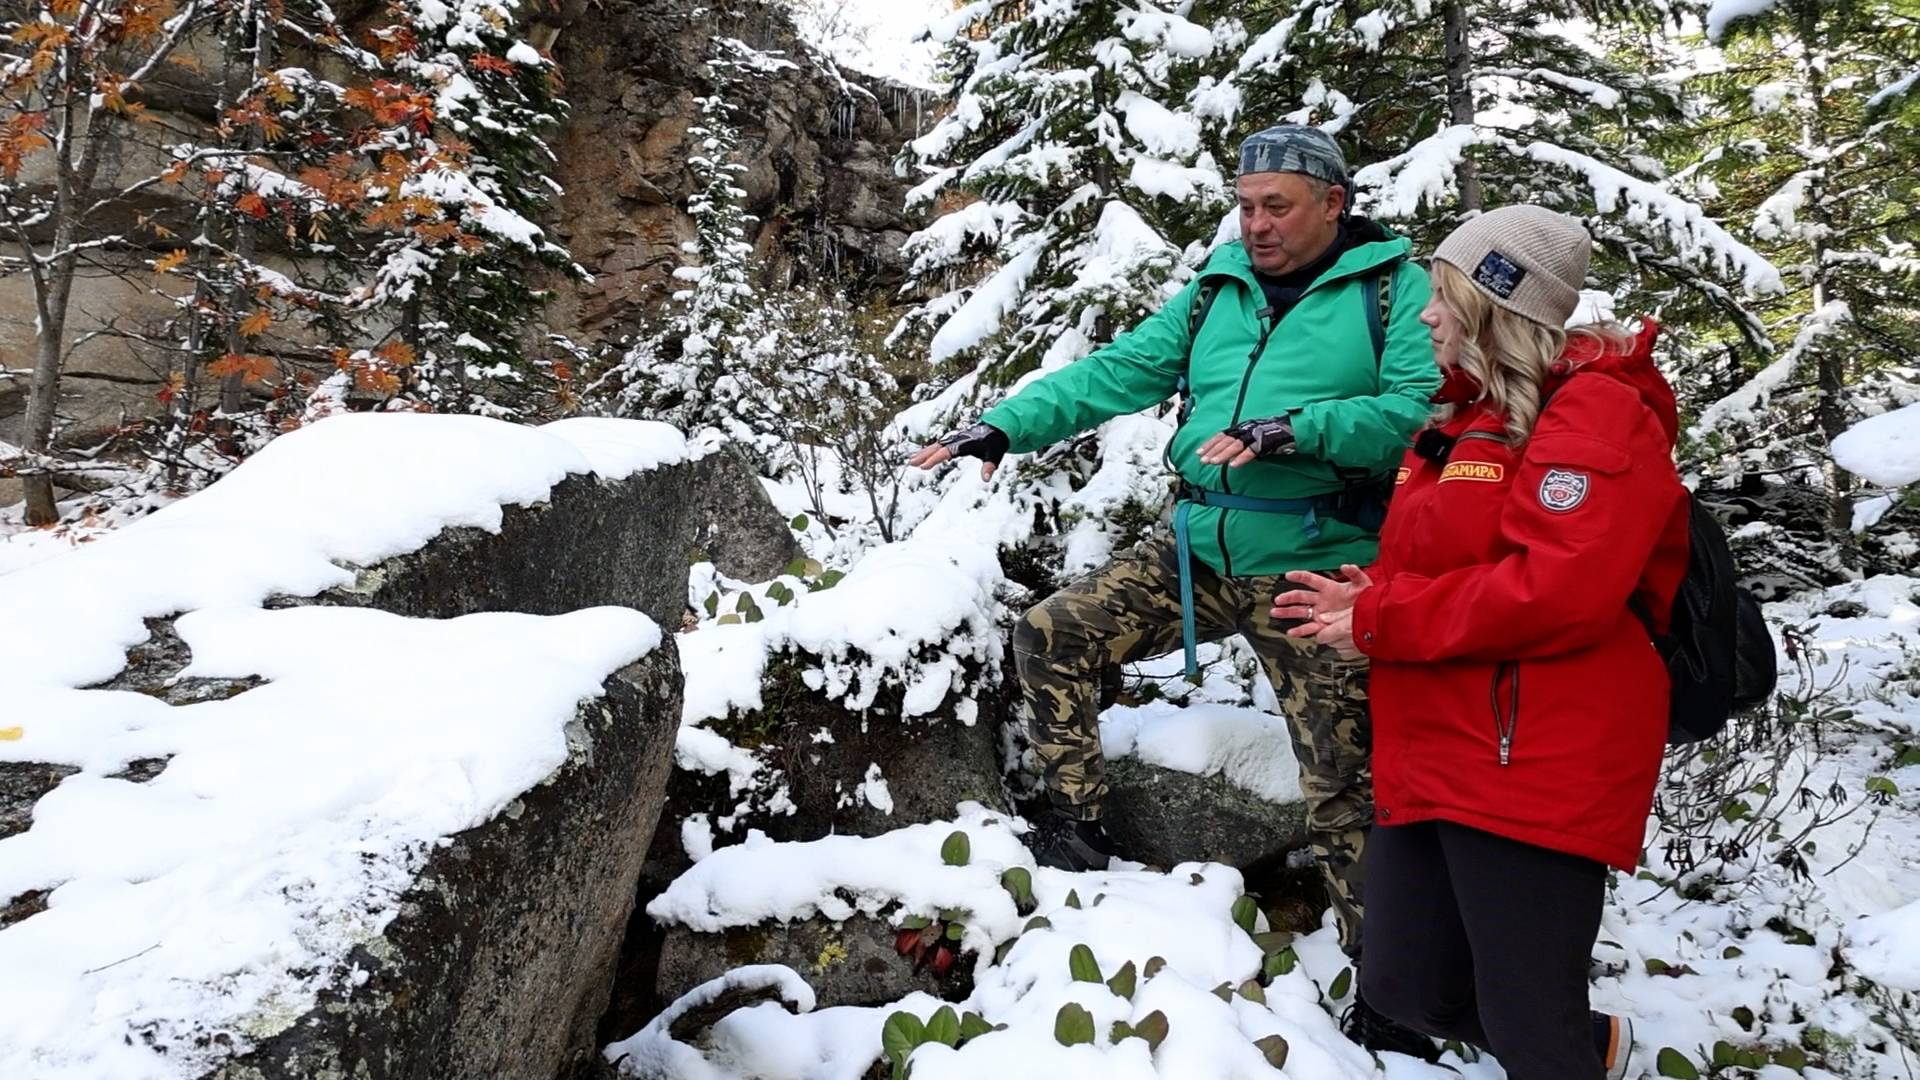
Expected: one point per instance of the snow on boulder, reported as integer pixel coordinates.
(1883, 449)
(281, 837)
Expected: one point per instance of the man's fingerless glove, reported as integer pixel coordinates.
(1269, 437)
(983, 441)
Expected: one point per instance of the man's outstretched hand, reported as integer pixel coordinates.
(983, 441)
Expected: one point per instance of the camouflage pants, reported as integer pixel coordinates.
(1129, 610)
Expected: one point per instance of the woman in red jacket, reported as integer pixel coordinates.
(1519, 706)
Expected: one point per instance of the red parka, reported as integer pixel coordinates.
(1513, 688)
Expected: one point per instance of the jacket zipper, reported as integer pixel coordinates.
(1226, 485)
(1505, 725)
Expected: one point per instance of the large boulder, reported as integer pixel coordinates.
(494, 953)
(593, 542)
(501, 962)
(1164, 817)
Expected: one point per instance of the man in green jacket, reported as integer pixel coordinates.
(1304, 370)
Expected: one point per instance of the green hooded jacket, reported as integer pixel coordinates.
(1350, 418)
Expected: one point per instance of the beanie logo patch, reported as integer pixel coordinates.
(1499, 275)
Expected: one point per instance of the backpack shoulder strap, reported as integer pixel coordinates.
(1376, 294)
(1203, 299)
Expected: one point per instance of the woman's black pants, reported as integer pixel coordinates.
(1474, 937)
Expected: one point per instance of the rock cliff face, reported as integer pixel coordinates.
(818, 145)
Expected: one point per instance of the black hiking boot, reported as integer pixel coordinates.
(1380, 1033)
(1613, 1037)
(1065, 843)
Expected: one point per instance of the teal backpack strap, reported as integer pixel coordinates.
(1376, 293)
(1203, 299)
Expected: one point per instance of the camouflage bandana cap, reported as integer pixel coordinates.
(1294, 148)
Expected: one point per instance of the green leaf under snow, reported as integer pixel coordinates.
(1081, 964)
(944, 1026)
(1153, 1028)
(1124, 980)
(1038, 922)
(1280, 963)
(1341, 984)
(900, 1034)
(958, 850)
(1791, 1057)
(973, 1025)
(1154, 966)
(1245, 911)
(1274, 1049)
(1073, 899)
(1072, 1025)
(712, 605)
(915, 922)
(955, 931)
(1273, 940)
(1674, 1064)
(799, 523)
(1880, 785)
(1018, 881)
(1736, 810)
(1253, 991)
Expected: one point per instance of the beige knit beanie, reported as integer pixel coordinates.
(1528, 259)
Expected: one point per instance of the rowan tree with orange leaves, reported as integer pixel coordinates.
(361, 240)
(68, 72)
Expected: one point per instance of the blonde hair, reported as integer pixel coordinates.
(1509, 355)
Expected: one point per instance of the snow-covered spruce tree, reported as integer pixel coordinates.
(1457, 106)
(1076, 193)
(1812, 145)
(683, 371)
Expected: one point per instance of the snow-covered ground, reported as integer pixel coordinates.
(210, 904)
(1774, 962)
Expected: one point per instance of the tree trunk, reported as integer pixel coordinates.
(1460, 106)
(1830, 363)
(233, 389)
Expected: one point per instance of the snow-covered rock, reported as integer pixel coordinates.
(290, 838)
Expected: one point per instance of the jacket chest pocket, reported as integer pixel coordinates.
(1459, 516)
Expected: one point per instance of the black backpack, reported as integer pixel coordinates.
(1718, 650)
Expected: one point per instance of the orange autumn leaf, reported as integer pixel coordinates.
(396, 353)
(562, 371)
(377, 379)
(175, 172)
(168, 263)
(251, 204)
(249, 367)
(176, 384)
(495, 64)
(19, 137)
(256, 323)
